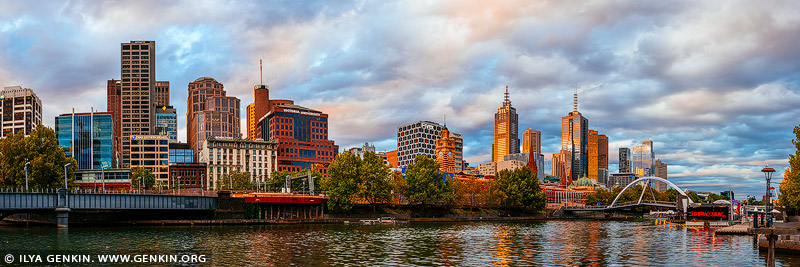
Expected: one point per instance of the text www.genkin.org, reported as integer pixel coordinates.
(121, 258)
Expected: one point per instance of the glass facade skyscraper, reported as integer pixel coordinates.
(643, 162)
(167, 123)
(87, 137)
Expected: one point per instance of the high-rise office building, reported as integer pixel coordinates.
(531, 141)
(598, 156)
(624, 160)
(209, 112)
(302, 136)
(661, 171)
(458, 159)
(561, 167)
(445, 151)
(415, 139)
(22, 110)
(643, 163)
(161, 94)
(87, 137)
(138, 69)
(575, 140)
(167, 123)
(506, 134)
(594, 160)
(113, 105)
(602, 158)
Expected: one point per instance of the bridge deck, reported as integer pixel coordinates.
(28, 201)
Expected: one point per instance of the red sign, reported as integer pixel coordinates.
(707, 214)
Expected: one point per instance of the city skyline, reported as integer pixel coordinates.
(640, 67)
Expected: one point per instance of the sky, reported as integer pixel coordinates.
(715, 85)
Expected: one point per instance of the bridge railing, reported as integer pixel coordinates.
(21, 200)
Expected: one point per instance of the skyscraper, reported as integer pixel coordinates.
(506, 135)
(643, 159)
(209, 112)
(458, 159)
(167, 123)
(138, 71)
(22, 110)
(624, 159)
(594, 160)
(161, 94)
(260, 107)
(87, 137)
(574, 139)
(661, 171)
(602, 155)
(531, 141)
(113, 105)
(302, 137)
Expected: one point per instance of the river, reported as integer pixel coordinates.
(564, 243)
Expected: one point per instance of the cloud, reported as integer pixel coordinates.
(714, 85)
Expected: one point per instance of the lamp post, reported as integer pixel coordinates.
(768, 202)
(103, 176)
(26, 175)
(65, 175)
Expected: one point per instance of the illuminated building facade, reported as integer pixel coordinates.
(531, 141)
(445, 151)
(575, 140)
(643, 163)
(302, 136)
(224, 155)
(415, 139)
(22, 110)
(151, 152)
(138, 68)
(506, 135)
(210, 113)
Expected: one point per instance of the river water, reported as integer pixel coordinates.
(563, 243)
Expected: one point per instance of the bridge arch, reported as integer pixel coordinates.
(650, 178)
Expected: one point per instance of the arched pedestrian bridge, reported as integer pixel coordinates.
(615, 206)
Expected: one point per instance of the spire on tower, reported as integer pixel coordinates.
(575, 99)
(261, 71)
(507, 101)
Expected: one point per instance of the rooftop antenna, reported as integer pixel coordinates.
(261, 71)
(575, 99)
(507, 101)
(445, 120)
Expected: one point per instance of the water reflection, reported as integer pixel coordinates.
(552, 243)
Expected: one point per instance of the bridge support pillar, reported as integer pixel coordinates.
(62, 217)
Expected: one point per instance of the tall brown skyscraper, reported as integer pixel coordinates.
(575, 140)
(598, 156)
(161, 94)
(531, 141)
(209, 112)
(113, 102)
(506, 135)
(594, 160)
(138, 70)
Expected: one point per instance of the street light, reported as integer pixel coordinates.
(768, 204)
(65, 175)
(26, 175)
(103, 176)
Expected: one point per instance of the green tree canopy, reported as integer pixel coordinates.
(148, 179)
(519, 188)
(399, 186)
(426, 184)
(240, 180)
(790, 186)
(374, 186)
(47, 160)
(341, 185)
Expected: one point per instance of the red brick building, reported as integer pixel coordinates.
(302, 135)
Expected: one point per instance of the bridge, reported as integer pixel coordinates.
(632, 205)
(57, 206)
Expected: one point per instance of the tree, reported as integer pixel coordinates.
(374, 186)
(47, 160)
(148, 179)
(693, 196)
(426, 184)
(399, 186)
(519, 188)
(341, 185)
(602, 196)
(240, 180)
(790, 186)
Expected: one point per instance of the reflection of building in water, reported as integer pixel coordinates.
(504, 238)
